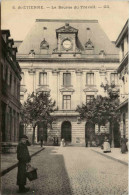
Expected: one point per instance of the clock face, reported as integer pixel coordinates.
(67, 44)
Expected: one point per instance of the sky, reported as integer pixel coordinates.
(112, 15)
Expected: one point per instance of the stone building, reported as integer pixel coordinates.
(122, 43)
(10, 97)
(71, 59)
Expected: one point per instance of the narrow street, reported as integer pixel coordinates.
(72, 171)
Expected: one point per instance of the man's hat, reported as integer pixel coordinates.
(24, 136)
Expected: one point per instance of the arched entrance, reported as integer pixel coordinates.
(66, 131)
(89, 134)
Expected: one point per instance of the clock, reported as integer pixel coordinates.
(67, 44)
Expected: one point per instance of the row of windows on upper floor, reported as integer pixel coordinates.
(90, 78)
(11, 80)
(66, 100)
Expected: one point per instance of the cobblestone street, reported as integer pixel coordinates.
(72, 171)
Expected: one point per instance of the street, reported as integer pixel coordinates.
(72, 171)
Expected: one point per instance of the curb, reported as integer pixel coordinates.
(110, 157)
(16, 164)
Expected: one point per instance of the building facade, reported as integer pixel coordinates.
(10, 97)
(71, 59)
(122, 43)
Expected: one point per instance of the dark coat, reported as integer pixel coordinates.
(123, 145)
(23, 158)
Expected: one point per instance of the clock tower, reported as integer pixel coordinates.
(66, 40)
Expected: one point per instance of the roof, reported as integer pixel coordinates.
(122, 34)
(97, 36)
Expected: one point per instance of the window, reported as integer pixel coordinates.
(114, 78)
(66, 102)
(22, 75)
(122, 49)
(90, 78)
(89, 98)
(66, 79)
(42, 78)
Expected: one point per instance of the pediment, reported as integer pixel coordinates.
(43, 88)
(66, 89)
(67, 29)
(90, 89)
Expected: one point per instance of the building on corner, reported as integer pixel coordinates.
(122, 43)
(10, 90)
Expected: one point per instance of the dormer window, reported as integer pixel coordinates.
(89, 45)
(102, 53)
(44, 44)
(31, 53)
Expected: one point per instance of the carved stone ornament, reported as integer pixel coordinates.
(79, 71)
(43, 70)
(55, 71)
(31, 70)
(103, 69)
(67, 28)
(44, 45)
(89, 45)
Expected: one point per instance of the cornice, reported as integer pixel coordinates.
(66, 20)
(26, 59)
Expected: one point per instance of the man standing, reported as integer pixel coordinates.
(23, 158)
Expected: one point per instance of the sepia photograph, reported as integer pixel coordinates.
(64, 97)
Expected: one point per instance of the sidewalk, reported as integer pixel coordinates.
(114, 155)
(9, 161)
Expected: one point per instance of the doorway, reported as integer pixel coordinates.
(42, 131)
(66, 131)
(89, 134)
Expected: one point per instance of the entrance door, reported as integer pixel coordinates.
(66, 131)
(89, 134)
(42, 131)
